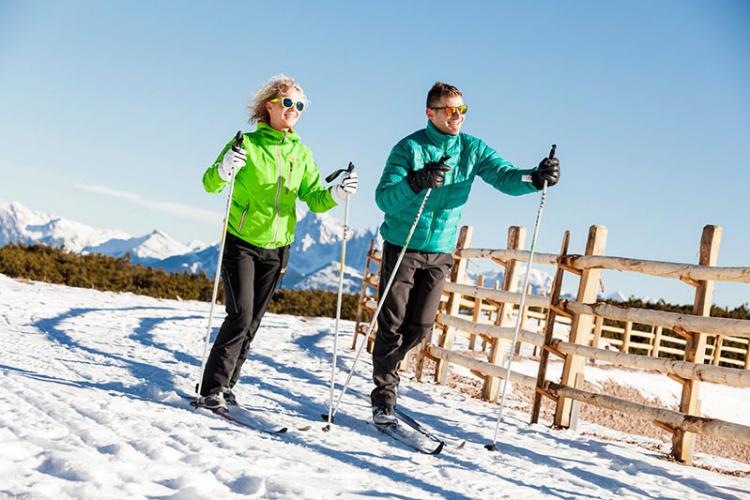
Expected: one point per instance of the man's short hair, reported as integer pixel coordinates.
(440, 90)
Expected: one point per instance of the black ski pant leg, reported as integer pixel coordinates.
(241, 264)
(407, 314)
(424, 300)
(268, 272)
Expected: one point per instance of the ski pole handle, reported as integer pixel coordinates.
(237, 146)
(340, 171)
(527, 177)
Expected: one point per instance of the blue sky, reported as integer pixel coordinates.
(110, 111)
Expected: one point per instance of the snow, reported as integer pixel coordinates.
(93, 384)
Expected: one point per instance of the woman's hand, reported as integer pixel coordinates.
(234, 160)
(348, 186)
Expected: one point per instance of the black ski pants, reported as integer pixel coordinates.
(407, 315)
(250, 275)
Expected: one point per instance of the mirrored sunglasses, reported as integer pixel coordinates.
(449, 110)
(288, 102)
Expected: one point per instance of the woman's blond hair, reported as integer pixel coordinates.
(273, 88)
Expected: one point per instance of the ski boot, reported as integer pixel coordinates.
(383, 415)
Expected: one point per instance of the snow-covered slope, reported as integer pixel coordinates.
(93, 386)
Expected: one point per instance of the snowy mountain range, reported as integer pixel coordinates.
(313, 264)
(314, 261)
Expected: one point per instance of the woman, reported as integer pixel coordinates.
(272, 170)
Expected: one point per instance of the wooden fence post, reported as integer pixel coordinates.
(683, 443)
(627, 333)
(476, 314)
(718, 344)
(657, 341)
(524, 313)
(458, 275)
(516, 237)
(549, 331)
(363, 297)
(598, 325)
(580, 328)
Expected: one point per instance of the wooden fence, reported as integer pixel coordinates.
(689, 348)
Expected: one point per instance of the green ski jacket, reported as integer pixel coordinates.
(279, 170)
(438, 225)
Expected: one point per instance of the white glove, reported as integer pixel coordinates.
(233, 161)
(348, 186)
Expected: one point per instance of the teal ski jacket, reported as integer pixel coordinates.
(438, 225)
(279, 170)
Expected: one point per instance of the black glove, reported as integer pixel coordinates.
(548, 170)
(431, 176)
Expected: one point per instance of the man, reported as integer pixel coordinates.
(442, 159)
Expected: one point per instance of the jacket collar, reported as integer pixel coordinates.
(439, 139)
(271, 135)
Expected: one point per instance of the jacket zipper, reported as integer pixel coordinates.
(437, 206)
(242, 217)
(278, 191)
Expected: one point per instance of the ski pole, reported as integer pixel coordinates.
(237, 147)
(519, 319)
(340, 295)
(380, 302)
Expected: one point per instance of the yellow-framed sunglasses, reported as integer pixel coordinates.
(288, 102)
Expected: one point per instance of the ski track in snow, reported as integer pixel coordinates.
(93, 390)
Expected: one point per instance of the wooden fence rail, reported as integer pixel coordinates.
(674, 321)
(706, 373)
(661, 269)
(497, 295)
(491, 331)
(675, 420)
(482, 367)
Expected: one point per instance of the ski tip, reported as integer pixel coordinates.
(282, 430)
(460, 445)
(437, 450)
(490, 447)
(304, 428)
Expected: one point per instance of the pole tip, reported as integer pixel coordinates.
(490, 447)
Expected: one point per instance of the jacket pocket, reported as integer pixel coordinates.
(242, 217)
